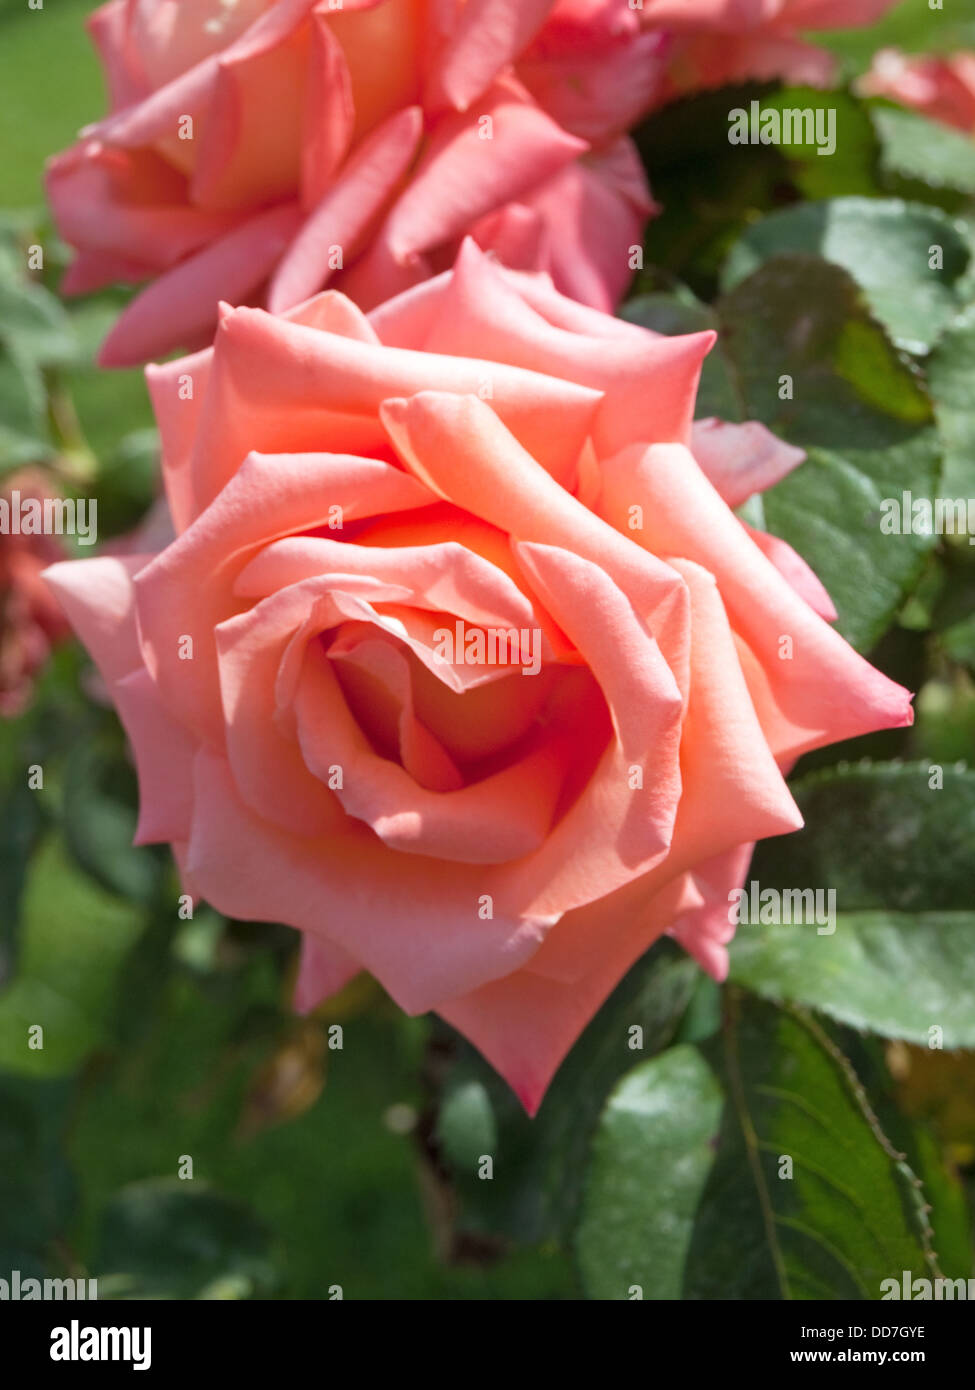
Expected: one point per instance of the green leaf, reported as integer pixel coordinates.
(858, 974)
(708, 189)
(24, 433)
(73, 940)
(110, 405)
(23, 821)
(100, 816)
(34, 323)
(945, 720)
(127, 482)
(669, 313)
(764, 1165)
(166, 1238)
(914, 148)
(538, 1164)
(702, 1018)
(37, 1191)
(860, 413)
(851, 167)
(959, 642)
(711, 190)
(884, 244)
(465, 1126)
(897, 854)
(651, 1157)
(951, 371)
(851, 1214)
(882, 836)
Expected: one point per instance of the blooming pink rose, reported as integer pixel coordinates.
(461, 662)
(942, 88)
(714, 42)
(31, 621)
(260, 149)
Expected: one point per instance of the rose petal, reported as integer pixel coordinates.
(325, 969)
(281, 387)
(471, 168)
(375, 904)
(347, 210)
(740, 460)
(798, 698)
(793, 568)
(182, 303)
(487, 35)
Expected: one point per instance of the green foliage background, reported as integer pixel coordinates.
(660, 1168)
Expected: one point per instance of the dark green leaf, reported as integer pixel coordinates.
(708, 189)
(22, 818)
(100, 816)
(883, 835)
(951, 372)
(166, 1238)
(466, 1129)
(858, 973)
(896, 851)
(37, 1190)
(110, 405)
(127, 482)
(809, 1197)
(538, 1166)
(24, 433)
(959, 642)
(850, 168)
(886, 245)
(858, 411)
(924, 151)
(73, 938)
(651, 1157)
(34, 323)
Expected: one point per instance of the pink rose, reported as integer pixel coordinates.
(260, 149)
(942, 88)
(715, 42)
(461, 662)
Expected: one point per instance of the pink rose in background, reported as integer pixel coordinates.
(715, 42)
(942, 88)
(31, 620)
(461, 662)
(259, 150)
(594, 68)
